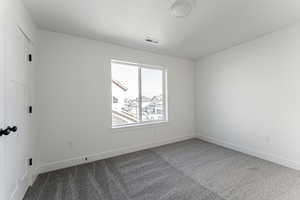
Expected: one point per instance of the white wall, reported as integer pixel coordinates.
(74, 101)
(248, 97)
(14, 12)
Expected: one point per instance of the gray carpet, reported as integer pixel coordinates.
(189, 170)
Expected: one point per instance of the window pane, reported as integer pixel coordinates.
(124, 94)
(152, 94)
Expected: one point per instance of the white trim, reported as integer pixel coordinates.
(108, 154)
(140, 95)
(140, 125)
(165, 93)
(137, 64)
(34, 177)
(140, 100)
(263, 155)
(21, 188)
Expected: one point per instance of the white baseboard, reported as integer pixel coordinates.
(22, 186)
(266, 156)
(103, 155)
(33, 177)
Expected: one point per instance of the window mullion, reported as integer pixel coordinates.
(140, 94)
(164, 95)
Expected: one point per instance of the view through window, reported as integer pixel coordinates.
(138, 94)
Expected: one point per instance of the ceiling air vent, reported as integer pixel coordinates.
(151, 40)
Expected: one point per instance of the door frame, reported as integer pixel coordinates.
(20, 189)
(2, 107)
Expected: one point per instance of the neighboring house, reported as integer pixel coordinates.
(153, 109)
(119, 91)
(119, 114)
(157, 99)
(124, 110)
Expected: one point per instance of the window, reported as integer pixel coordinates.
(138, 94)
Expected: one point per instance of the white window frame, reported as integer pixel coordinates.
(164, 95)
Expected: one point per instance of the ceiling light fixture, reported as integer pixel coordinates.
(182, 8)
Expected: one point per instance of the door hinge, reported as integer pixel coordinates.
(30, 109)
(30, 57)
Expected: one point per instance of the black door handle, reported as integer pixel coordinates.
(8, 130)
(13, 129)
(4, 132)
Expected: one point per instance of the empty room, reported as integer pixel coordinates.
(149, 100)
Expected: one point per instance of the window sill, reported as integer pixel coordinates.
(137, 126)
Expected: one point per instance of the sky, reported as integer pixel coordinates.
(127, 75)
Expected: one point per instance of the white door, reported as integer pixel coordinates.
(16, 115)
(2, 106)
